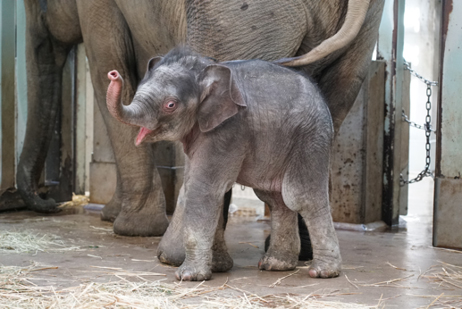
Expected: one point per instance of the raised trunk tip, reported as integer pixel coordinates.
(113, 98)
(113, 75)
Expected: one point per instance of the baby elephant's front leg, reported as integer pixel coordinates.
(196, 266)
(203, 208)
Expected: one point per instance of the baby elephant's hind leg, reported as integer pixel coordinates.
(305, 190)
(284, 245)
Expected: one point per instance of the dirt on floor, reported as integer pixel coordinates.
(74, 260)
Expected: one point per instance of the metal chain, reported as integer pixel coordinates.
(412, 123)
(423, 79)
(427, 127)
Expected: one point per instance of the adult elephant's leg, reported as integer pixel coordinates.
(221, 260)
(138, 205)
(341, 81)
(45, 60)
(306, 251)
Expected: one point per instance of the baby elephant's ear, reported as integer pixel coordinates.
(220, 98)
(152, 62)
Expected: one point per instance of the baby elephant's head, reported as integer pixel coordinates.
(177, 92)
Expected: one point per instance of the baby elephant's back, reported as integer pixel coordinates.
(281, 100)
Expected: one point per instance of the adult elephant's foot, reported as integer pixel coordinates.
(10, 199)
(141, 223)
(278, 261)
(111, 210)
(30, 196)
(43, 205)
(194, 270)
(142, 215)
(325, 268)
(28, 192)
(36, 203)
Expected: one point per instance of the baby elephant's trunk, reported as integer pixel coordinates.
(125, 114)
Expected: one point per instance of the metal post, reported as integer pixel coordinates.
(80, 120)
(447, 218)
(390, 48)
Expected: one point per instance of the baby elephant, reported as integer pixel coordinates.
(251, 122)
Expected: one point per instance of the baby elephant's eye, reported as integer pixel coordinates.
(170, 106)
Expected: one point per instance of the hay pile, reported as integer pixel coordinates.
(29, 242)
(18, 291)
(77, 200)
(445, 274)
(448, 276)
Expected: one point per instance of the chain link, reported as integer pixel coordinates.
(423, 79)
(412, 123)
(427, 127)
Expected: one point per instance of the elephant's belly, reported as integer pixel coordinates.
(261, 180)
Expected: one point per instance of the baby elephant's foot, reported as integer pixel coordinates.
(324, 269)
(283, 262)
(189, 271)
(221, 261)
(172, 255)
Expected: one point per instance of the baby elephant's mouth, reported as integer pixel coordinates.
(144, 132)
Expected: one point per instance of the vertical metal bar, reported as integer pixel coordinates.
(404, 140)
(7, 93)
(89, 102)
(449, 145)
(390, 48)
(21, 77)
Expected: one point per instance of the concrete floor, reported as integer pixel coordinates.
(374, 263)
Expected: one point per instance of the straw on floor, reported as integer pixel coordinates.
(17, 290)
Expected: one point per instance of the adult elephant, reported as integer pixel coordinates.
(123, 36)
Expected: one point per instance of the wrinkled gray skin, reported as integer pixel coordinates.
(251, 122)
(122, 36)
